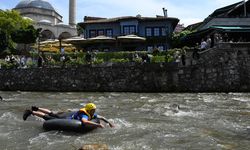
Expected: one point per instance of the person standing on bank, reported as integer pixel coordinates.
(85, 115)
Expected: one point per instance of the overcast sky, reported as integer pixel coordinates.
(188, 11)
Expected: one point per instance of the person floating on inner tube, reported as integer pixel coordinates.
(87, 113)
(84, 115)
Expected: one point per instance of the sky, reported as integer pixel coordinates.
(188, 11)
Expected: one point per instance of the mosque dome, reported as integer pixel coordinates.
(34, 4)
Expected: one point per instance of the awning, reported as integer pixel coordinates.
(131, 38)
(49, 41)
(233, 28)
(101, 39)
(75, 40)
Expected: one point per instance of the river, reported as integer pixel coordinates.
(144, 121)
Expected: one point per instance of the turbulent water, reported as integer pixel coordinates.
(143, 121)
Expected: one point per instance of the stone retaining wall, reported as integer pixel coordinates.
(222, 69)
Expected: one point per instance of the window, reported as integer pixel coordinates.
(156, 31)
(106, 49)
(164, 31)
(126, 30)
(150, 48)
(100, 32)
(148, 31)
(92, 33)
(132, 30)
(109, 33)
(160, 48)
(129, 30)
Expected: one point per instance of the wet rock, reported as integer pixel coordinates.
(94, 147)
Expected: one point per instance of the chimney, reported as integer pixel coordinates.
(72, 13)
(165, 12)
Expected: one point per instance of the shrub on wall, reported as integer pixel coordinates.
(158, 59)
(98, 61)
(114, 60)
(7, 65)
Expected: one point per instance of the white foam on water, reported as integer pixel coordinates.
(208, 99)
(128, 100)
(102, 98)
(39, 119)
(143, 126)
(42, 137)
(82, 104)
(152, 100)
(72, 100)
(236, 94)
(143, 97)
(143, 108)
(49, 138)
(230, 125)
(169, 136)
(8, 99)
(121, 123)
(115, 94)
(133, 145)
(241, 99)
(183, 114)
(4, 134)
(9, 116)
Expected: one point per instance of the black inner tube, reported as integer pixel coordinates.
(65, 124)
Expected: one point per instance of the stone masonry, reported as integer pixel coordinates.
(222, 69)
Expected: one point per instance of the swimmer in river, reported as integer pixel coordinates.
(175, 108)
(1, 99)
(84, 115)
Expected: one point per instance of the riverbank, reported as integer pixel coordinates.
(222, 69)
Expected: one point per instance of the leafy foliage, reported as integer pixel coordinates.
(10, 22)
(25, 35)
(119, 60)
(176, 39)
(3, 41)
(158, 59)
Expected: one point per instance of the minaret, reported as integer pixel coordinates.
(72, 13)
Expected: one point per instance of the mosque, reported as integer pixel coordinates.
(48, 19)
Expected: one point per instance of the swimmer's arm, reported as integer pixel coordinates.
(105, 120)
(85, 121)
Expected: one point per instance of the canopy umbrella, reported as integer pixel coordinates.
(75, 40)
(131, 38)
(55, 47)
(101, 39)
(49, 41)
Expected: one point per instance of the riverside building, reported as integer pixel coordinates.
(130, 33)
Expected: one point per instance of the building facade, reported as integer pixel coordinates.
(156, 31)
(44, 16)
(230, 23)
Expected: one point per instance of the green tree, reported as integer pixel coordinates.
(80, 30)
(11, 21)
(176, 39)
(25, 36)
(3, 41)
